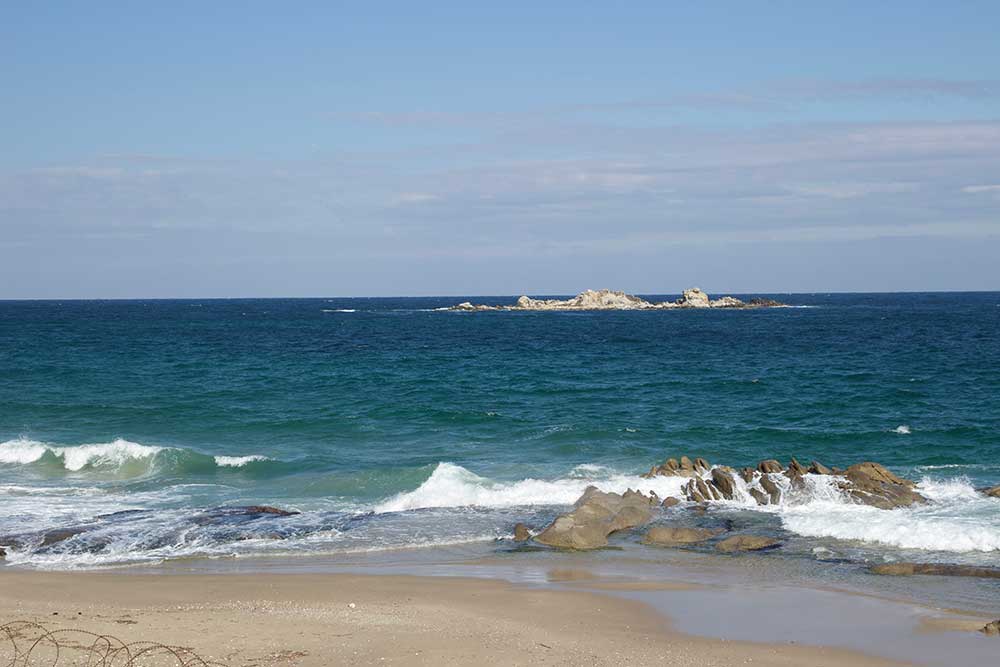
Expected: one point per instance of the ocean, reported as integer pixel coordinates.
(131, 431)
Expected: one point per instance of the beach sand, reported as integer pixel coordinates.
(337, 619)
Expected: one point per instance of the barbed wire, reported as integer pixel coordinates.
(30, 644)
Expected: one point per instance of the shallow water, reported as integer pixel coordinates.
(388, 423)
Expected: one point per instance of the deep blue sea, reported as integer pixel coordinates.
(388, 423)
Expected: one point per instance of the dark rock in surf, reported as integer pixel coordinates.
(723, 480)
(669, 502)
(993, 492)
(761, 497)
(772, 490)
(57, 535)
(267, 509)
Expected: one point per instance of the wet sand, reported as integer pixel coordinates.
(332, 619)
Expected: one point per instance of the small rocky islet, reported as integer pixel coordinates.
(606, 299)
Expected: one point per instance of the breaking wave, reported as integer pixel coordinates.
(123, 457)
(452, 485)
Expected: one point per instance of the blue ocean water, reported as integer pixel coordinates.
(389, 423)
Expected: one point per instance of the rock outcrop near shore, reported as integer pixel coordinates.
(598, 514)
(595, 516)
(606, 299)
(769, 483)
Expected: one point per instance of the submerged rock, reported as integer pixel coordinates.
(595, 516)
(267, 509)
(941, 569)
(58, 535)
(668, 536)
(746, 543)
(606, 299)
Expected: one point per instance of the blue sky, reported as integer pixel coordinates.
(252, 149)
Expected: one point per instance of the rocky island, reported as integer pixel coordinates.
(606, 299)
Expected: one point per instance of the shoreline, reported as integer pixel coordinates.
(322, 619)
(601, 607)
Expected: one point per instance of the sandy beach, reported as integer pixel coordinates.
(320, 619)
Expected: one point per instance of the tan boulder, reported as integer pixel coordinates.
(817, 468)
(871, 484)
(993, 492)
(746, 543)
(596, 515)
(723, 480)
(521, 533)
(992, 628)
(669, 502)
(668, 536)
(770, 465)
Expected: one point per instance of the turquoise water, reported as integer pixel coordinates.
(388, 423)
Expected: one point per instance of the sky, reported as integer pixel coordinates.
(193, 149)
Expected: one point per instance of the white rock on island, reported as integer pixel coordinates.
(606, 299)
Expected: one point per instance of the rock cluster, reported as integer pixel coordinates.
(595, 516)
(598, 514)
(868, 483)
(606, 299)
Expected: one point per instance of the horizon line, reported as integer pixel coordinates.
(455, 296)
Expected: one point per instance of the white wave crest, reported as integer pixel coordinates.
(902, 429)
(74, 458)
(957, 519)
(452, 485)
(238, 461)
